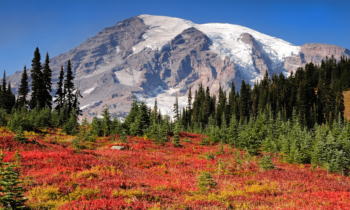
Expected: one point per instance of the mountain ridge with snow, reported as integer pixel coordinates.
(163, 56)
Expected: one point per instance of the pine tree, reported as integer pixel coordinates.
(71, 127)
(37, 82)
(11, 98)
(130, 118)
(76, 103)
(69, 88)
(60, 93)
(63, 114)
(176, 138)
(189, 106)
(3, 93)
(11, 190)
(233, 131)
(23, 90)
(135, 128)
(244, 100)
(96, 126)
(266, 163)
(47, 74)
(176, 109)
(106, 121)
(206, 182)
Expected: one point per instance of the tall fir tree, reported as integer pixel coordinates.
(176, 109)
(11, 98)
(23, 90)
(3, 93)
(69, 87)
(244, 101)
(60, 94)
(106, 121)
(37, 96)
(47, 74)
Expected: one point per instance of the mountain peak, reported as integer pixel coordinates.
(162, 56)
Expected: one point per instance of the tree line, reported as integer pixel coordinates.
(33, 110)
(315, 92)
(299, 118)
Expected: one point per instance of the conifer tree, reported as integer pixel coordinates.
(3, 93)
(176, 138)
(106, 121)
(206, 182)
(176, 109)
(96, 126)
(69, 87)
(233, 131)
(76, 103)
(23, 90)
(11, 98)
(71, 127)
(37, 82)
(11, 190)
(135, 128)
(244, 100)
(60, 93)
(63, 114)
(47, 74)
(130, 118)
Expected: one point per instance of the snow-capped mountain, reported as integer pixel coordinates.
(162, 56)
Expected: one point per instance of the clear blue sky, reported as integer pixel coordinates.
(56, 26)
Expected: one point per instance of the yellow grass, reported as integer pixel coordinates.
(346, 95)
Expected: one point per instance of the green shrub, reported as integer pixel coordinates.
(266, 163)
(206, 182)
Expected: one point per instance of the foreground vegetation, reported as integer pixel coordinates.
(147, 175)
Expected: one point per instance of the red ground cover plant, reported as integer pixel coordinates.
(150, 176)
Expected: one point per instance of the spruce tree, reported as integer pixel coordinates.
(11, 189)
(69, 87)
(106, 121)
(130, 118)
(244, 101)
(3, 93)
(60, 94)
(76, 103)
(47, 74)
(23, 90)
(11, 98)
(71, 127)
(176, 109)
(135, 127)
(176, 138)
(37, 96)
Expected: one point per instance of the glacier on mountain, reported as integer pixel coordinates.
(225, 42)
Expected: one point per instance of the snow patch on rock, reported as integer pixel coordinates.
(128, 76)
(88, 91)
(225, 42)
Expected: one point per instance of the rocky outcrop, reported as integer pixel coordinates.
(314, 53)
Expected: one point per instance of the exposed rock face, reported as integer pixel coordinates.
(163, 56)
(314, 53)
(260, 60)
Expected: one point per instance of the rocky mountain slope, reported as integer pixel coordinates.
(161, 56)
